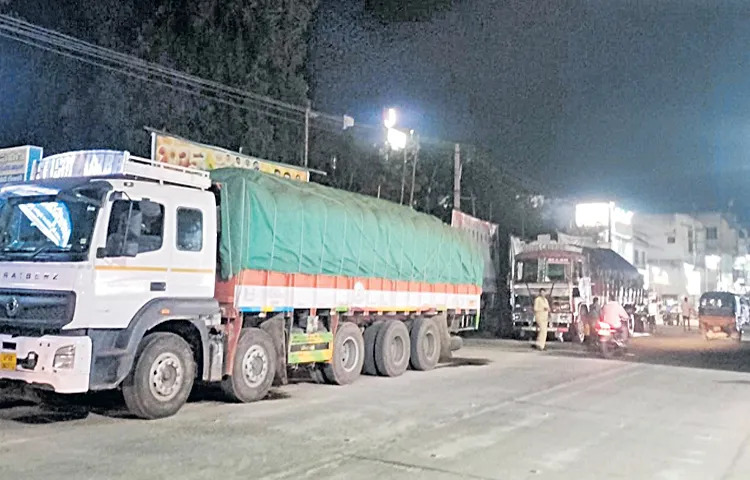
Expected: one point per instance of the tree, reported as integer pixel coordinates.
(257, 46)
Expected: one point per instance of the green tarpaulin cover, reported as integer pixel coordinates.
(271, 223)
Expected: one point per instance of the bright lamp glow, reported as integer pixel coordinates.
(623, 216)
(390, 118)
(593, 214)
(659, 276)
(712, 262)
(396, 139)
(693, 276)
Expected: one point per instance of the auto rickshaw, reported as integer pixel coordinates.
(721, 314)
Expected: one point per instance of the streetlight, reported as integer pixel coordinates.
(390, 117)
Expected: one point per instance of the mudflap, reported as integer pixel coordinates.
(275, 327)
(446, 354)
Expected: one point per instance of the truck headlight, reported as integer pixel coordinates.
(516, 316)
(65, 357)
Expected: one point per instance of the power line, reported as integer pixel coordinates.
(134, 67)
(50, 40)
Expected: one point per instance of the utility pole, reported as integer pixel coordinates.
(414, 172)
(403, 176)
(457, 177)
(307, 133)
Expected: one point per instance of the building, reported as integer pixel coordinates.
(678, 254)
(721, 248)
(674, 265)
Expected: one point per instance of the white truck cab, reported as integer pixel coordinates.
(100, 248)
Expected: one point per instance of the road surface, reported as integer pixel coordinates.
(675, 409)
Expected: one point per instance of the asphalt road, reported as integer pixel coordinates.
(677, 408)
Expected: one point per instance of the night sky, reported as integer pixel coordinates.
(645, 102)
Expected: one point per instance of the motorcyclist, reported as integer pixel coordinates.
(614, 315)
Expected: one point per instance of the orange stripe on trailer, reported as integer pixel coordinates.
(304, 280)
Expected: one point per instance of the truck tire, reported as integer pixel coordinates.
(425, 344)
(348, 355)
(162, 377)
(371, 333)
(392, 349)
(254, 367)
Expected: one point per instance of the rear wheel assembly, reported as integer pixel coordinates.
(425, 344)
(392, 349)
(348, 355)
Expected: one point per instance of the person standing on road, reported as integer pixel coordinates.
(686, 309)
(653, 312)
(594, 313)
(541, 316)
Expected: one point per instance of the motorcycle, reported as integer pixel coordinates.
(609, 342)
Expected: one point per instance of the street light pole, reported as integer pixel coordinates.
(403, 177)
(307, 133)
(457, 177)
(414, 173)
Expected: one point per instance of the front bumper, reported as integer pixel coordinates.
(34, 362)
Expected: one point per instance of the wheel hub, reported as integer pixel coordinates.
(349, 354)
(255, 365)
(398, 350)
(167, 377)
(429, 344)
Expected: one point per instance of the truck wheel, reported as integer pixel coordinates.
(254, 367)
(161, 379)
(579, 331)
(425, 344)
(392, 349)
(371, 333)
(348, 355)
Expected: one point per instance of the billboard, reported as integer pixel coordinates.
(166, 148)
(16, 163)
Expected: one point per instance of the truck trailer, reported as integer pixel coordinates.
(120, 272)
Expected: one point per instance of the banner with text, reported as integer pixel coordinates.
(174, 150)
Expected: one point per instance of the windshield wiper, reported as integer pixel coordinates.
(45, 248)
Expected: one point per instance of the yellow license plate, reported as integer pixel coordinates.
(8, 361)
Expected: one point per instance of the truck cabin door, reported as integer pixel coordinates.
(193, 268)
(132, 260)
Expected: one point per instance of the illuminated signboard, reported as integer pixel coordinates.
(16, 163)
(87, 163)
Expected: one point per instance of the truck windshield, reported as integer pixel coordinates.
(45, 225)
(527, 271)
(556, 272)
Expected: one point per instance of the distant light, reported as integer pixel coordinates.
(659, 276)
(623, 216)
(396, 139)
(390, 118)
(713, 262)
(593, 214)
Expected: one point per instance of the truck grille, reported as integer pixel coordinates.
(37, 311)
